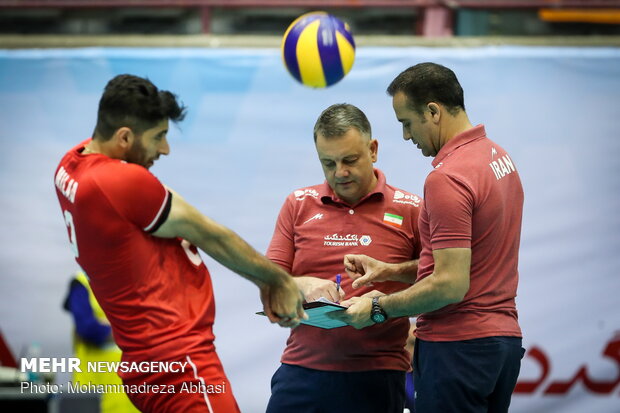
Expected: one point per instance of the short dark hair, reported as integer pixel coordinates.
(136, 103)
(429, 82)
(337, 119)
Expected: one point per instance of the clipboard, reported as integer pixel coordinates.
(317, 317)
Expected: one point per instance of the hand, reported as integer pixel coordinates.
(283, 302)
(371, 294)
(365, 270)
(358, 313)
(314, 288)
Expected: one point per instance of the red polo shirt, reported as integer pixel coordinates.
(313, 233)
(473, 199)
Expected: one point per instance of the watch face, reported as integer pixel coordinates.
(378, 318)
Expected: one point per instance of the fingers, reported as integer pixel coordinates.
(352, 265)
(272, 316)
(341, 295)
(346, 303)
(289, 319)
(353, 274)
(349, 262)
(340, 315)
(363, 281)
(289, 322)
(264, 297)
(300, 311)
(357, 315)
(294, 320)
(350, 301)
(335, 295)
(317, 288)
(283, 306)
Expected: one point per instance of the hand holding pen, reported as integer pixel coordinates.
(338, 280)
(315, 288)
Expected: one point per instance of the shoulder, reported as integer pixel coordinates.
(470, 158)
(468, 166)
(123, 174)
(123, 182)
(305, 194)
(398, 197)
(448, 185)
(129, 170)
(302, 200)
(301, 197)
(444, 174)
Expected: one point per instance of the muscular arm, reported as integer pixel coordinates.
(365, 270)
(230, 250)
(404, 272)
(448, 284)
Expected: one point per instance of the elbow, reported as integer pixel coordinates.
(454, 292)
(455, 297)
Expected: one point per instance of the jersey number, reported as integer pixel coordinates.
(71, 229)
(194, 257)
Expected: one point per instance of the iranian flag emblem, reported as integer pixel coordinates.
(393, 220)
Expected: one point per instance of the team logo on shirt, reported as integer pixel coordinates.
(365, 240)
(393, 220)
(402, 198)
(300, 194)
(317, 216)
(502, 166)
(349, 240)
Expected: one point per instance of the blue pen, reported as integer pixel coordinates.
(338, 279)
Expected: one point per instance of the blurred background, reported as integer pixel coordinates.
(542, 75)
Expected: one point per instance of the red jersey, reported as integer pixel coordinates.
(314, 231)
(473, 199)
(156, 292)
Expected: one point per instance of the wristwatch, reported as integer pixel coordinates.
(377, 315)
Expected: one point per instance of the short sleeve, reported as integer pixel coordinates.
(136, 195)
(282, 246)
(415, 230)
(449, 205)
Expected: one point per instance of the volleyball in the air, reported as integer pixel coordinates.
(318, 49)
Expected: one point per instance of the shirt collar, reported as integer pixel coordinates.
(327, 195)
(463, 138)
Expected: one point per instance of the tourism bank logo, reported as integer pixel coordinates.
(348, 240)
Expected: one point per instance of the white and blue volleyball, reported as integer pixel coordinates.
(318, 49)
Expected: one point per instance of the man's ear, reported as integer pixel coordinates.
(374, 149)
(435, 111)
(124, 137)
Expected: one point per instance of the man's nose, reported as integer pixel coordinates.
(164, 148)
(341, 170)
(406, 134)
